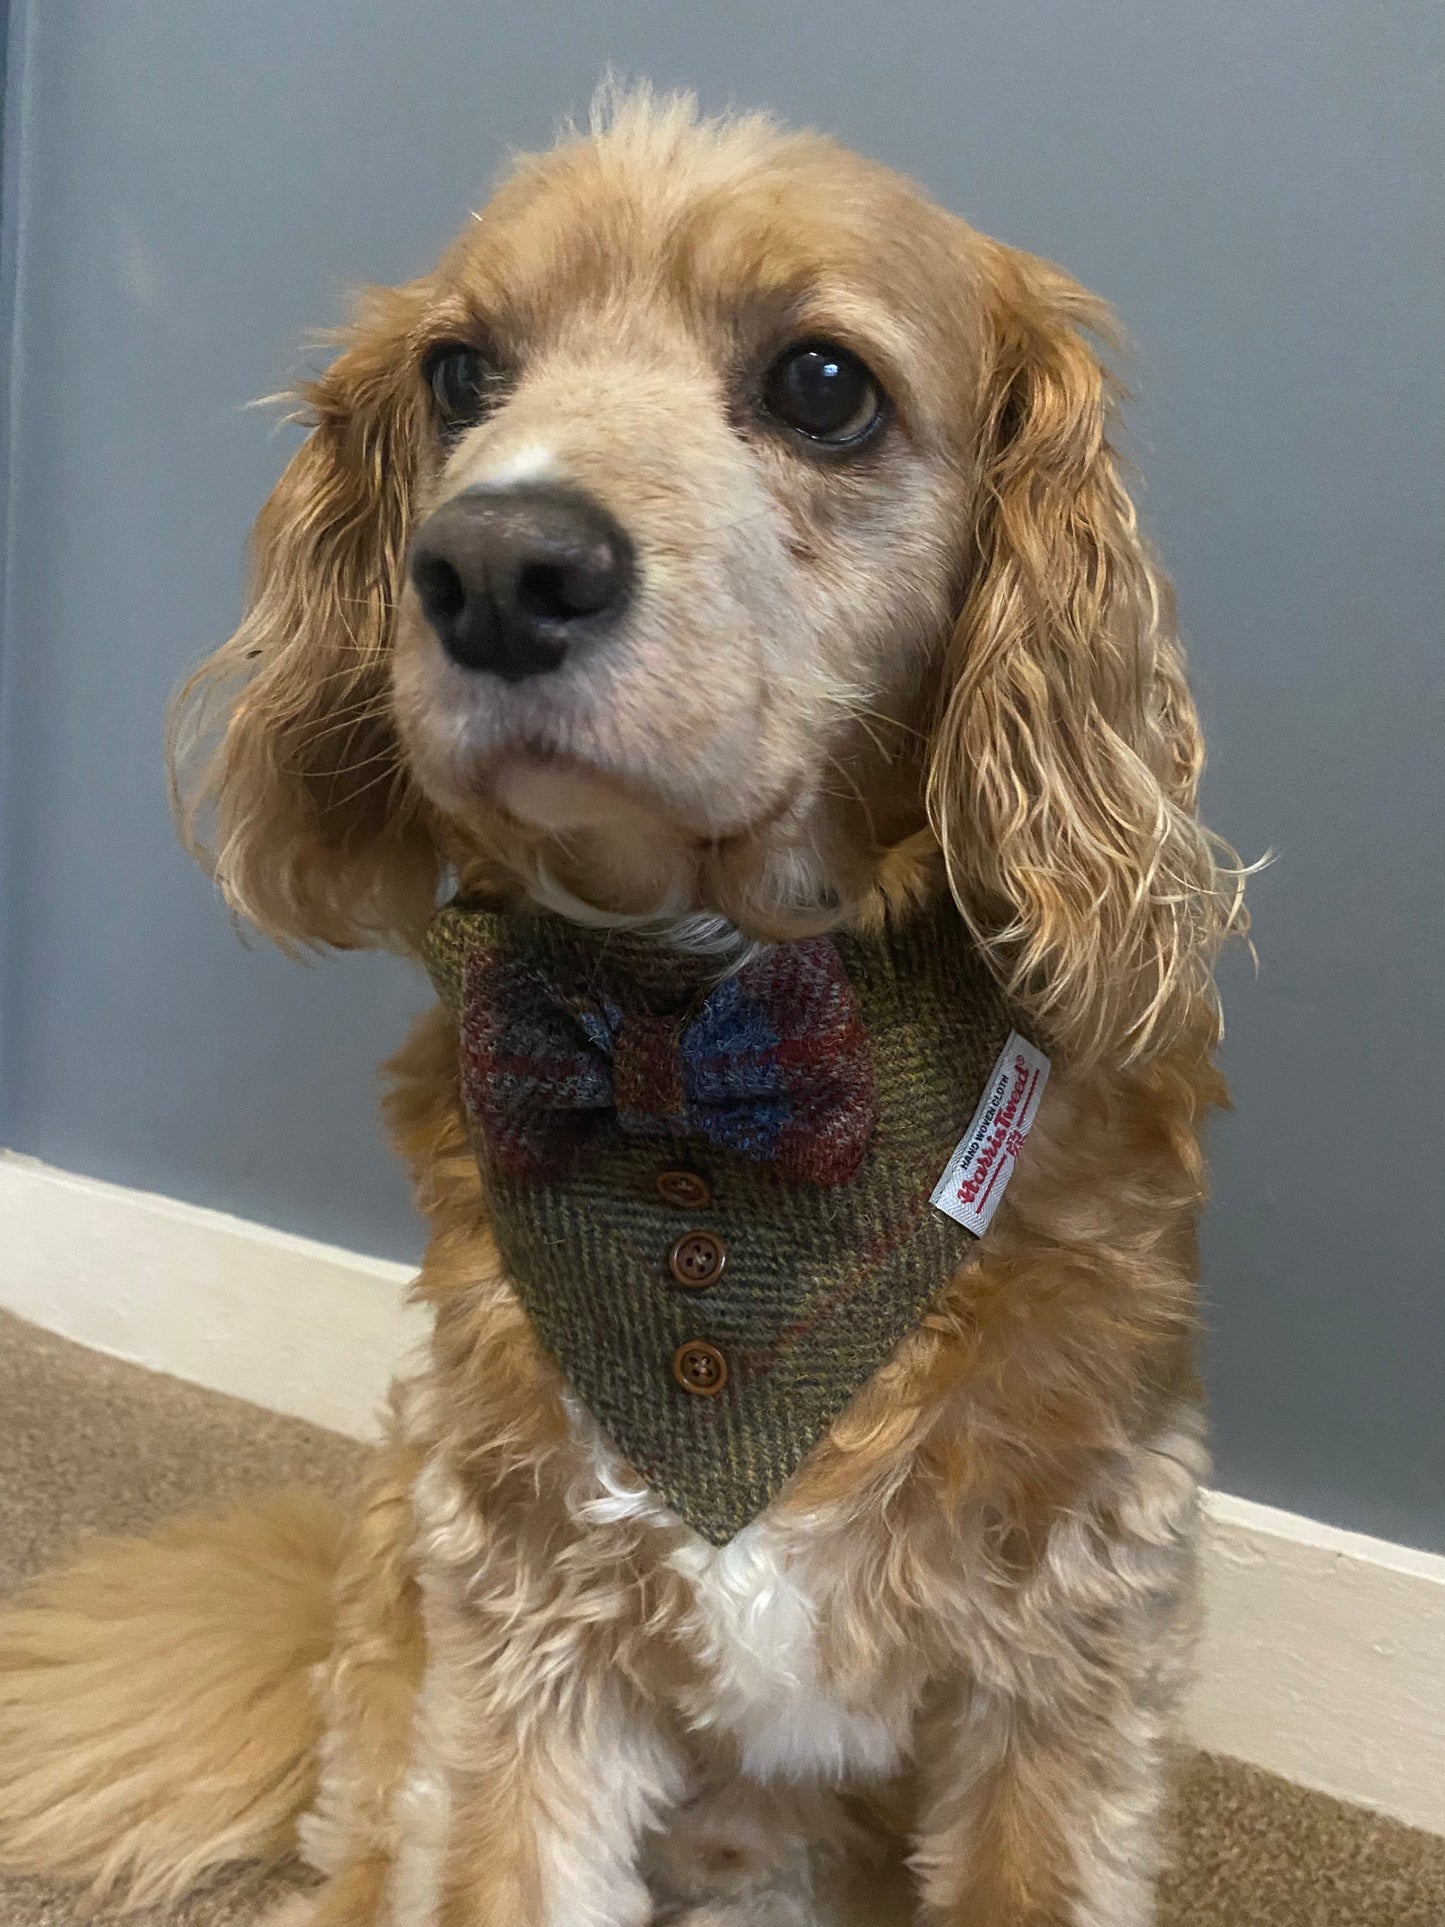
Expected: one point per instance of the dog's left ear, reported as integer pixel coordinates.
(287, 773)
(1067, 752)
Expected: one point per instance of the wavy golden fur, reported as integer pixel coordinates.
(944, 660)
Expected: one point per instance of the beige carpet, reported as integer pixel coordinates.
(87, 1444)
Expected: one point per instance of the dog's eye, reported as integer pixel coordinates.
(825, 393)
(459, 378)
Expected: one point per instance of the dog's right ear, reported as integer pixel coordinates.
(287, 778)
(1067, 752)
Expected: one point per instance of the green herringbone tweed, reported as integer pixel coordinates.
(821, 1283)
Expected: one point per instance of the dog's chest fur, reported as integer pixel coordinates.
(762, 1608)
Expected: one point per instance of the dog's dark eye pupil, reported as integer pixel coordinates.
(458, 378)
(823, 392)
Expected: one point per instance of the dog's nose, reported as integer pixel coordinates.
(513, 580)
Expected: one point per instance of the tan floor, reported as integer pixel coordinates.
(88, 1444)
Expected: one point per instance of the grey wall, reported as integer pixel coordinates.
(1256, 185)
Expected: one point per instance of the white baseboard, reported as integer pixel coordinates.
(288, 1323)
(1323, 1659)
(1324, 1651)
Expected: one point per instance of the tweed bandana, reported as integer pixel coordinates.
(719, 1184)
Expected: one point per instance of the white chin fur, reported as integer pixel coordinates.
(565, 802)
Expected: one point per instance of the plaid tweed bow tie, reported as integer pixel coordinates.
(772, 1062)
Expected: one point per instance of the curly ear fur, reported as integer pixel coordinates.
(1067, 754)
(287, 776)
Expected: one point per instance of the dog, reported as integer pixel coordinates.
(723, 549)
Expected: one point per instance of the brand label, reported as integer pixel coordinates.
(971, 1187)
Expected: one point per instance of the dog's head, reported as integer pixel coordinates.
(721, 530)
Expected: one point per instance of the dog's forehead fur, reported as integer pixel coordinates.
(737, 235)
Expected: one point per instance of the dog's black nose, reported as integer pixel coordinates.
(514, 579)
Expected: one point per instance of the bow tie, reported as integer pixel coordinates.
(772, 1062)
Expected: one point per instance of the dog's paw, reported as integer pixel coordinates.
(296, 1911)
(733, 1858)
(742, 1855)
(771, 1909)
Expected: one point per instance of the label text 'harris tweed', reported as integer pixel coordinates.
(979, 1169)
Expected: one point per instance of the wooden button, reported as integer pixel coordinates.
(688, 1190)
(697, 1259)
(699, 1367)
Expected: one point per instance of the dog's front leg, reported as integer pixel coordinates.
(1043, 1776)
(545, 1829)
(1028, 1823)
(537, 1767)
